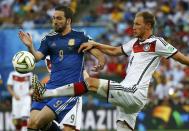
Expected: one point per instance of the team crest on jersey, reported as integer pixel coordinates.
(71, 42)
(146, 47)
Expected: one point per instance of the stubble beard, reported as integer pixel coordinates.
(58, 28)
(61, 29)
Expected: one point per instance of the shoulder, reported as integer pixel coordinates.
(78, 32)
(12, 73)
(159, 40)
(81, 33)
(27, 74)
(49, 35)
(30, 74)
(132, 41)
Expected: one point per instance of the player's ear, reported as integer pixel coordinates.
(68, 21)
(148, 25)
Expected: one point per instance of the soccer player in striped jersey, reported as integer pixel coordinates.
(67, 67)
(130, 96)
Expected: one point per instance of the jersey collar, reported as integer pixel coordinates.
(148, 40)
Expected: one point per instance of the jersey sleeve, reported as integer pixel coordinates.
(165, 49)
(86, 38)
(44, 47)
(10, 79)
(127, 47)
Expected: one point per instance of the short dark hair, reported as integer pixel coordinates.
(67, 11)
(148, 17)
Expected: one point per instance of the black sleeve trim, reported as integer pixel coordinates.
(123, 50)
(172, 54)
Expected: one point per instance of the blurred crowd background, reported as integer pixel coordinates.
(170, 83)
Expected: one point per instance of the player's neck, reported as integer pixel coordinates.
(147, 35)
(67, 31)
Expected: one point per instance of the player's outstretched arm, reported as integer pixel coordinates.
(107, 49)
(27, 40)
(101, 59)
(181, 58)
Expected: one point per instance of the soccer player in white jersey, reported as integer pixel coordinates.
(19, 87)
(145, 52)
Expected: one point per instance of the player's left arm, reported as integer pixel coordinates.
(165, 49)
(101, 59)
(181, 58)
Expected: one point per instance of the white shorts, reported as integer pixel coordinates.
(21, 108)
(129, 101)
(73, 117)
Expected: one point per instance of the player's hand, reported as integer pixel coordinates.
(17, 97)
(86, 46)
(98, 67)
(25, 38)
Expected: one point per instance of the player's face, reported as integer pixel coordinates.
(59, 21)
(139, 27)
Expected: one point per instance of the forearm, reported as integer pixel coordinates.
(99, 55)
(38, 55)
(185, 61)
(107, 49)
(181, 58)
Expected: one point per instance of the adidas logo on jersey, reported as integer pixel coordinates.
(53, 44)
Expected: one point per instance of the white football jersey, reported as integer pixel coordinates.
(21, 83)
(144, 58)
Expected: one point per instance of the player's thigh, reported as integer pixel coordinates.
(44, 116)
(33, 114)
(68, 128)
(124, 97)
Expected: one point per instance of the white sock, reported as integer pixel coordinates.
(103, 87)
(67, 90)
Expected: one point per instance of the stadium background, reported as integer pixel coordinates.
(106, 21)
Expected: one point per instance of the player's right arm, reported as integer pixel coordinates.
(27, 40)
(10, 90)
(106, 49)
(10, 87)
